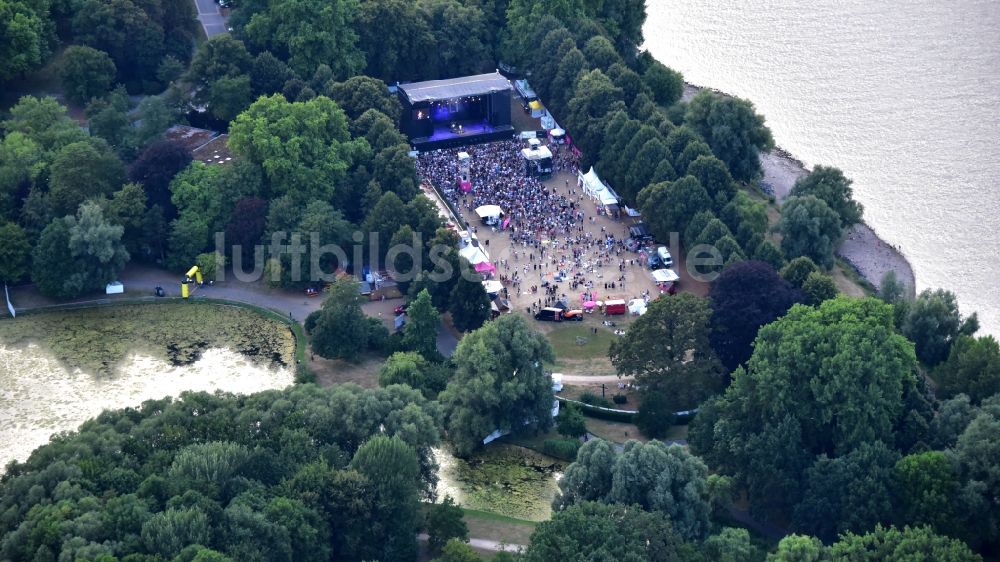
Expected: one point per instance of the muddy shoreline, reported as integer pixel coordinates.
(861, 247)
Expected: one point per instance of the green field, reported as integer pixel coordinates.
(589, 346)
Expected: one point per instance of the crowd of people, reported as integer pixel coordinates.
(553, 229)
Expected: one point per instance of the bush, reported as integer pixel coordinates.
(564, 449)
(655, 415)
(620, 399)
(310, 322)
(594, 400)
(570, 422)
(592, 411)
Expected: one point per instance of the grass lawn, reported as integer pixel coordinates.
(587, 355)
(336, 371)
(486, 525)
(618, 432)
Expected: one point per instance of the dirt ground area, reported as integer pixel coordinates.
(558, 257)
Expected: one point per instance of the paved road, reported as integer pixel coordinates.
(571, 379)
(144, 280)
(210, 17)
(486, 544)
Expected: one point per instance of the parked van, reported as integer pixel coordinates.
(549, 315)
(665, 258)
(615, 307)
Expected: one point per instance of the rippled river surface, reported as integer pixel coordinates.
(903, 96)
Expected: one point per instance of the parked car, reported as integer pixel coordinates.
(575, 315)
(401, 309)
(549, 315)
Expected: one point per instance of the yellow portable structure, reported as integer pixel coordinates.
(193, 275)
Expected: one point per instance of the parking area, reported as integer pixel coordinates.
(211, 18)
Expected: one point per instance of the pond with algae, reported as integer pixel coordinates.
(502, 478)
(59, 369)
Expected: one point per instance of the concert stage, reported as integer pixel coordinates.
(446, 136)
(456, 112)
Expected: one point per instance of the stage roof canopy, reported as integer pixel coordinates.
(455, 87)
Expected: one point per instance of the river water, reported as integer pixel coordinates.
(902, 96)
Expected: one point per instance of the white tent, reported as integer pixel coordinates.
(474, 254)
(637, 306)
(664, 276)
(594, 187)
(489, 212)
(492, 287)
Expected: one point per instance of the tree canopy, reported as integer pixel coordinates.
(668, 350)
(745, 297)
(820, 381)
(499, 383)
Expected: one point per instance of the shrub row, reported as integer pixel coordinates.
(564, 449)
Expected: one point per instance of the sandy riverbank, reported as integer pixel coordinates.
(862, 247)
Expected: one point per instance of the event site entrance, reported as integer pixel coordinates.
(456, 112)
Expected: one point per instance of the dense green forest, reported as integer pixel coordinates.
(871, 427)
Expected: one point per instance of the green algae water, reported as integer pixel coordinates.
(60, 369)
(504, 479)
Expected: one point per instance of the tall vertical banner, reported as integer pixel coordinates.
(10, 307)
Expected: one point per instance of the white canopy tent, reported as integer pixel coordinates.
(637, 307)
(595, 188)
(492, 287)
(474, 254)
(488, 212)
(664, 275)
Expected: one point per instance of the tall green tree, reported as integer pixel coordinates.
(668, 350)
(342, 330)
(666, 84)
(733, 129)
(468, 302)
(411, 368)
(588, 478)
(848, 493)
(810, 228)
(598, 531)
(889, 544)
(14, 253)
(976, 453)
(307, 34)
(85, 73)
(926, 486)
(830, 185)
(27, 35)
(669, 206)
(420, 332)
(499, 383)
(820, 381)
(393, 468)
(304, 148)
(972, 368)
(44, 121)
(933, 322)
(83, 170)
(396, 40)
(78, 253)
(445, 522)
